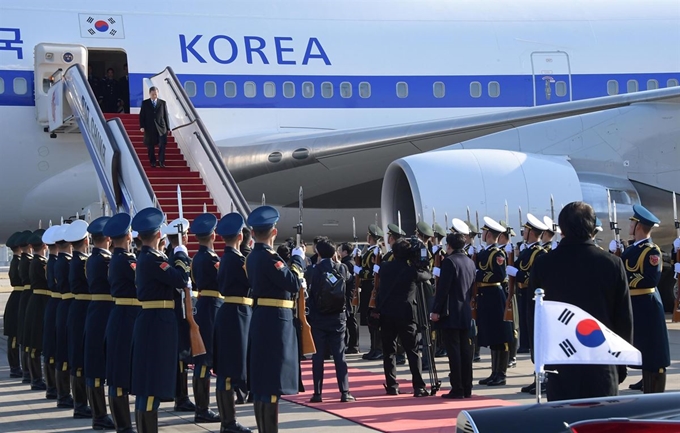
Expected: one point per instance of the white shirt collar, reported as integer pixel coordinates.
(642, 240)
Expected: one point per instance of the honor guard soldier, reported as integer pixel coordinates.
(643, 265)
(24, 272)
(493, 331)
(61, 271)
(154, 338)
(98, 311)
(532, 232)
(548, 238)
(77, 312)
(49, 341)
(121, 320)
(232, 325)
(274, 355)
(10, 318)
(35, 309)
(470, 248)
(509, 248)
(368, 260)
(204, 267)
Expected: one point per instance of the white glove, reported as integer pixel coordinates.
(613, 246)
(189, 285)
(523, 247)
(298, 252)
(356, 252)
(471, 251)
(435, 248)
(677, 268)
(509, 249)
(676, 244)
(511, 270)
(554, 244)
(436, 271)
(303, 283)
(182, 248)
(376, 269)
(357, 269)
(376, 251)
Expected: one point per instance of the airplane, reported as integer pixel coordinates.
(375, 107)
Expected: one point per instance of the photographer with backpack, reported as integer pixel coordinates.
(327, 317)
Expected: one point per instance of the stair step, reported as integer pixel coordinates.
(160, 188)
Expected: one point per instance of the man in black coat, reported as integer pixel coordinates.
(581, 274)
(154, 123)
(452, 315)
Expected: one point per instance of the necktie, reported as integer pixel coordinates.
(154, 103)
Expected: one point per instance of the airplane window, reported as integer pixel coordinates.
(365, 89)
(230, 89)
(560, 88)
(249, 89)
(475, 89)
(612, 87)
(494, 89)
(632, 86)
(438, 89)
(289, 89)
(210, 89)
(346, 89)
(190, 88)
(402, 89)
(2, 86)
(327, 89)
(20, 86)
(308, 89)
(269, 89)
(672, 83)
(652, 84)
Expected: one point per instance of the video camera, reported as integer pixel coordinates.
(418, 254)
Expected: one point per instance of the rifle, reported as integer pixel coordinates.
(438, 254)
(676, 312)
(475, 288)
(613, 222)
(509, 313)
(357, 276)
(426, 332)
(306, 340)
(376, 279)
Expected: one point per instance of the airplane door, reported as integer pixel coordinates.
(552, 77)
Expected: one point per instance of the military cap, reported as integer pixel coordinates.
(473, 228)
(439, 230)
(135, 234)
(425, 229)
(12, 240)
(76, 231)
(204, 224)
(459, 226)
(96, 227)
(263, 218)
(535, 223)
(505, 226)
(491, 224)
(147, 220)
(394, 230)
(598, 225)
(230, 225)
(58, 235)
(644, 216)
(118, 225)
(164, 230)
(36, 237)
(550, 224)
(48, 236)
(173, 229)
(375, 231)
(22, 239)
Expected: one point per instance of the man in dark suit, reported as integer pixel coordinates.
(154, 123)
(581, 274)
(452, 315)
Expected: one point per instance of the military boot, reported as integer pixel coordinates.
(226, 404)
(50, 380)
(202, 397)
(64, 399)
(653, 382)
(258, 410)
(182, 402)
(120, 412)
(25, 365)
(494, 356)
(13, 358)
(637, 386)
(501, 368)
(80, 408)
(270, 418)
(147, 421)
(100, 419)
(37, 382)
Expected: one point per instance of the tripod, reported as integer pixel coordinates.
(426, 332)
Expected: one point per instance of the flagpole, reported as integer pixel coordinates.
(538, 344)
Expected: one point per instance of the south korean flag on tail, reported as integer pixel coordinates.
(101, 26)
(565, 334)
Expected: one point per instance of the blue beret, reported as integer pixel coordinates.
(147, 220)
(118, 225)
(12, 241)
(204, 224)
(230, 225)
(36, 237)
(22, 239)
(96, 227)
(263, 218)
(643, 216)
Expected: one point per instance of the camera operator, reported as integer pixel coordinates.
(396, 307)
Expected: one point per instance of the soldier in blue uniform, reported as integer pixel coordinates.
(204, 267)
(35, 309)
(98, 311)
(232, 324)
(493, 331)
(548, 238)
(121, 320)
(643, 264)
(77, 312)
(154, 338)
(274, 356)
(61, 270)
(49, 344)
(24, 266)
(9, 318)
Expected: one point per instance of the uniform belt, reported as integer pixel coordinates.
(42, 292)
(238, 300)
(83, 297)
(27, 287)
(280, 303)
(134, 302)
(488, 284)
(67, 296)
(102, 297)
(18, 288)
(56, 295)
(210, 293)
(146, 305)
(638, 292)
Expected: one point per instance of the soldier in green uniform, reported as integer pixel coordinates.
(374, 236)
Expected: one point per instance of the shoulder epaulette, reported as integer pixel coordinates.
(157, 253)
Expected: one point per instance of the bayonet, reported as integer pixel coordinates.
(616, 223)
(434, 218)
(675, 215)
(50, 223)
(479, 229)
(552, 213)
(263, 200)
(399, 220)
(179, 201)
(609, 210)
(205, 208)
(354, 233)
(298, 236)
(446, 221)
(231, 206)
(39, 224)
(507, 218)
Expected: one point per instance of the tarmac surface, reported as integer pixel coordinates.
(22, 410)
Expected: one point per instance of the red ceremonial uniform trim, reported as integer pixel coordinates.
(217, 265)
(165, 265)
(279, 265)
(500, 260)
(654, 260)
(133, 266)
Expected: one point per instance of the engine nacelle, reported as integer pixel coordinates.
(482, 180)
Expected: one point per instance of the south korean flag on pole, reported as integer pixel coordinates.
(101, 26)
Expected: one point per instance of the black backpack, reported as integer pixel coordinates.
(331, 298)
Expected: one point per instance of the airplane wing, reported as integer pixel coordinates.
(359, 156)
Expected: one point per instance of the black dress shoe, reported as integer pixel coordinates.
(185, 406)
(83, 413)
(207, 416)
(316, 398)
(153, 165)
(452, 396)
(421, 392)
(441, 353)
(477, 358)
(347, 397)
(533, 391)
(636, 386)
(162, 164)
(401, 359)
(16, 373)
(376, 356)
(38, 386)
(391, 391)
(351, 351)
(103, 423)
(512, 363)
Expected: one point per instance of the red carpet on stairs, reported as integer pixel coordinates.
(374, 409)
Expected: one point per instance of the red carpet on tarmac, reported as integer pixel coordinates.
(375, 409)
